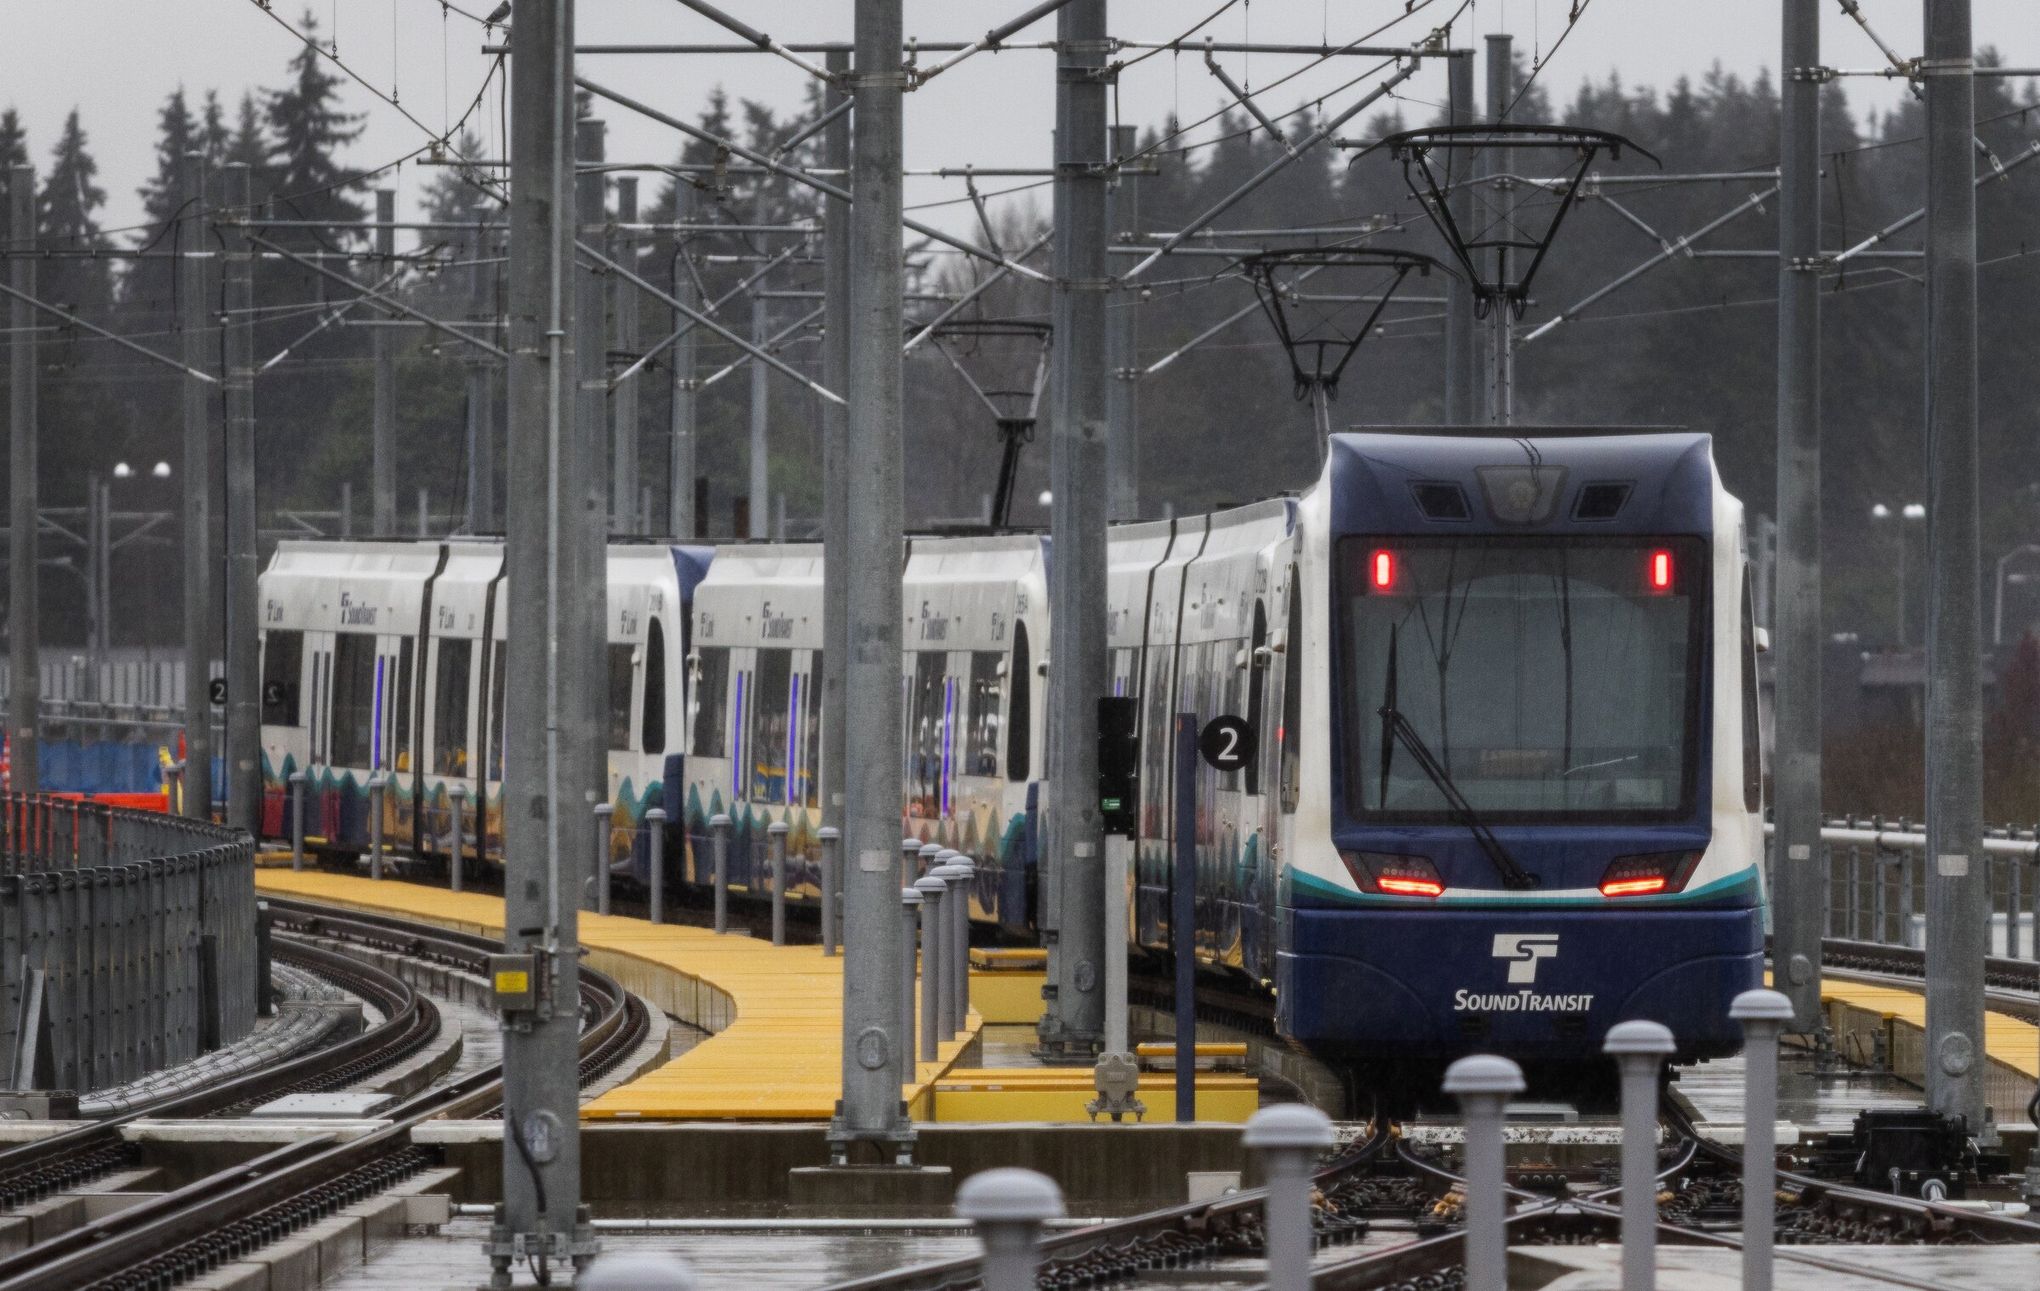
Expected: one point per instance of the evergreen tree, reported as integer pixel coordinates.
(67, 214)
(13, 143)
(308, 127)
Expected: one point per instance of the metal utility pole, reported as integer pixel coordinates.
(1958, 914)
(383, 447)
(589, 508)
(761, 403)
(200, 626)
(24, 622)
(1073, 1022)
(835, 452)
(545, 824)
(1122, 394)
(623, 447)
(244, 712)
(481, 395)
(877, 1056)
(1798, 867)
(680, 451)
(1501, 68)
(1462, 343)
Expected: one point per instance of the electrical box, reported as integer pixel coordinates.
(1119, 763)
(513, 980)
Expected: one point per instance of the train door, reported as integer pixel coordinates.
(1257, 887)
(455, 675)
(620, 727)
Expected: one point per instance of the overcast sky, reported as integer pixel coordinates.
(116, 60)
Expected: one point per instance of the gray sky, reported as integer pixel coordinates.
(116, 60)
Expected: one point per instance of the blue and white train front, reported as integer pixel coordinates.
(1537, 809)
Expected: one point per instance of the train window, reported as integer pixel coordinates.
(1289, 734)
(766, 748)
(401, 705)
(499, 684)
(981, 754)
(353, 700)
(1752, 724)
(450, 707)
(283, 661)
(620, 682)
(924, 729)
(711, 701)
(1257, 687)
(811, 732)
(653, 728)
(1019, 707)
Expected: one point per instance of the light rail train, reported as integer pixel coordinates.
(1507, 785)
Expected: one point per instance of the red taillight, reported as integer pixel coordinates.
(1661, 571)
(1381, 567)
(1410, 887)
(1396, 876)
(1642, 876)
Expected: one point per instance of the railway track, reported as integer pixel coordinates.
(223, 1216)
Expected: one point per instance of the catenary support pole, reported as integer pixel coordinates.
(1501, 359)
(934, 895)
(623, 400)
(1122, 392)
(1462, 335)
(481, 394)
(590, 504)
(24, 626)
(680, 517)
(1762, 1014)
(244, 712)
(201, 626)
(1958, 876)
(1072, 1026)
(760, 487)
(655, 861)
(835, 476)
(383, 435)
(1798, 871)
(910, 913)
(542, 784)
(876, 1057)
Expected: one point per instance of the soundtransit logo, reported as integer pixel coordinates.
(1523, 952)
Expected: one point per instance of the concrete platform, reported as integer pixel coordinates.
(1059, 1094)
(1864, 1015)
(776, 1051)
(1825, 1268)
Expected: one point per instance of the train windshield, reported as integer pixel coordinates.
(1535, 679)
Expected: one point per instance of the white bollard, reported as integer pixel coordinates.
(376, 781)
(832, 842)
(933, 892)
(655, 857)
(603, 811)
(1287, 1138)
(910, 914)
(775, 850)
(456, 798)
(1640, 1049)
(719, 841)
(910, 852)
(1009, 1207)
(928, 858)
(955, 935)
(1483, 1085)
(636, 1271)
(1763, 1014)
(297, 820)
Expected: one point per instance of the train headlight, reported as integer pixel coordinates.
(1396, 876)
(1648, 875)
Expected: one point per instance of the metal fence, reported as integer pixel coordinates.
(127, 941)
(1877, 878)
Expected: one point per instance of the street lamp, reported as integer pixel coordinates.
(1914, 512)
(1997, 630)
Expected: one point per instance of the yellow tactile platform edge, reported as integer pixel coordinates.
(777, 1052)
(2007, 1040)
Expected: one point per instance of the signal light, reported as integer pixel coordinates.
(1661, 571)
(1638, 876)
(1381, 569)
(1398, 876)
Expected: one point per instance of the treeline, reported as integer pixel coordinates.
(1690, 343)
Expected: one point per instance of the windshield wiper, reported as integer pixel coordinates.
(1396, 727)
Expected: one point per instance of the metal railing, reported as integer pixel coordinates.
(127, 941)
(1877, 877)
